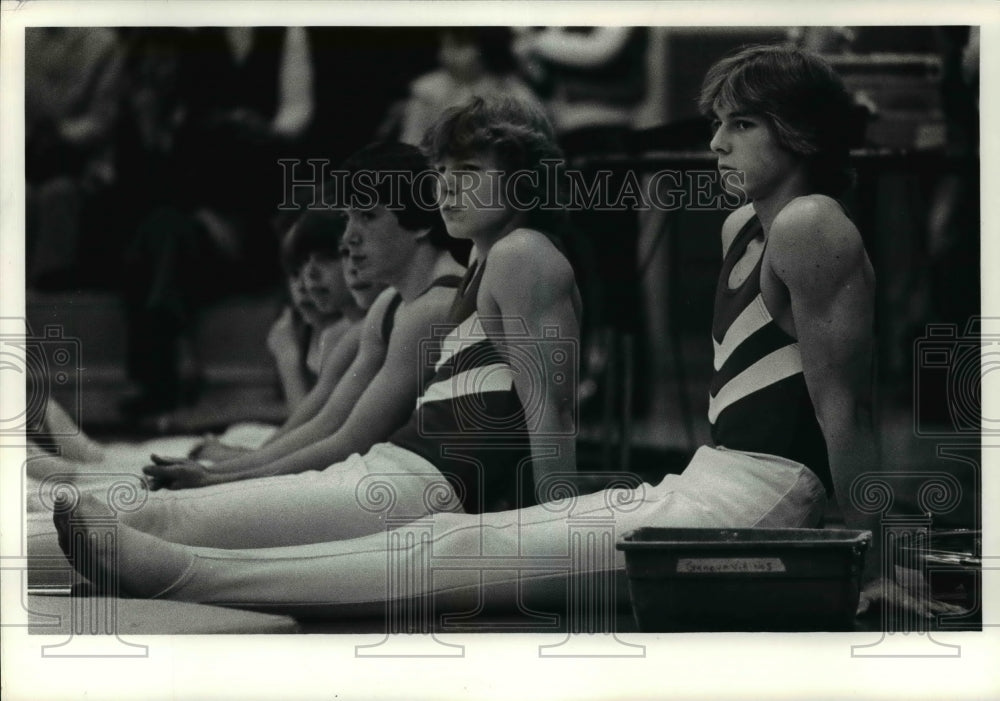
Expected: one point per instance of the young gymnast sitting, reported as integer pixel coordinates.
(790, 407)
(321, 303)
(402, 244)
(331, 301)
(520, 282)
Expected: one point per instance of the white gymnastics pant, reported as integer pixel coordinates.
(346, 500)
(521, 555)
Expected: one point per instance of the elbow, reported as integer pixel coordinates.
(846, 427)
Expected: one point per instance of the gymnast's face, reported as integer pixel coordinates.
(324, 284)
(381, 248)
(302, 301)
(363, 292)
(472, 194)
(751, 159)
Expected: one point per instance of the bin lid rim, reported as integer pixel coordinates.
(782, 538)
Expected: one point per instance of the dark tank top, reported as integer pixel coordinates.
(469, 421)
(758, 400)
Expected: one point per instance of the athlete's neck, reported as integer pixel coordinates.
(483, 241)
(768, 207)
(427, 264)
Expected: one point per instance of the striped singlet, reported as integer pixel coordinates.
(469, 421)
(758, 400)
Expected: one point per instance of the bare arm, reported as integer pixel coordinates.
(282, 345)
(534, 290)
(384, 406)
(818, 254)
(323, 426)
(385, 403)
(336, 362)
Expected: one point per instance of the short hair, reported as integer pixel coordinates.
(801, 95)
(518, 134)
(316, 231)
(414, 208)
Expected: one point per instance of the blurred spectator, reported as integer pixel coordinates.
(72, 91)
(474, 61)
(954, 218)
(594, 80)
(213, 110)
(590, 76)
(823, 40)
(363, 74)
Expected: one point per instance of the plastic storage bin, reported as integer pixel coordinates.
(749, 579)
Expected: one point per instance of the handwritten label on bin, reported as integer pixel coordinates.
(718, 565)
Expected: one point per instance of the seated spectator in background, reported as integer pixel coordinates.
(593, 80)
(348, 62)
(73, 87)
(404, 246)
(474, 61)
(590, 76)
(230, 102)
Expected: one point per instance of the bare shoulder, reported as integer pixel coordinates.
(812, 237)
(417, 319)
(526, 255)
(371, 329)
(381, 303)
(734, 222)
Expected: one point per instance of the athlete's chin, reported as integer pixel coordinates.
(457, 231)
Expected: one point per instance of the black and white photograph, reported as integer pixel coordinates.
(541, 350)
